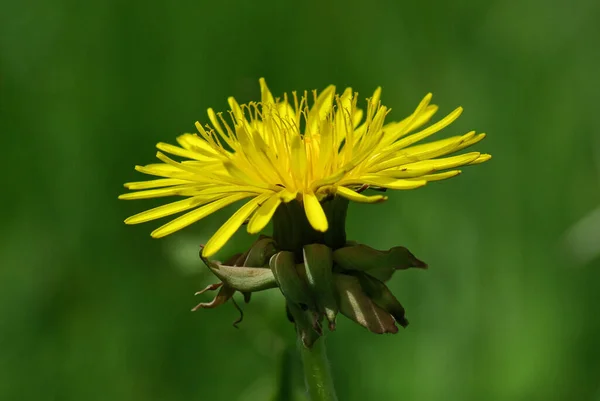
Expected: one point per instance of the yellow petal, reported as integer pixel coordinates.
(417, 153)
(160, 192)
(438, 176)
(423, 167)
(163, 170)
(238, 175)
(482, 158)
(162, 182)
(177, 151)
(393, 131)
(320, 109)
(314, 212)
(238, 113)
(223, 234)
(236, 109)
(286, 111)
(167, 160)
(422, 118)
(287, 196)
(438, 148)
(265, 93)
(264, 213)
(407, 171)
(342, 116)
(356, 197)
(201, 174)
(470, 142)
(357, 117)
(167, 210)
(205, 135)
(385, 182)
(446, 162)
(298, 160)
(195, 215)
(332, 179)
(432, 129)
(224, 189)
(195, 143)
(212, 116)
(376, 96)
(422, 114)
(258, 162)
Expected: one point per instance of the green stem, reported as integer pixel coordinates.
(317, 374)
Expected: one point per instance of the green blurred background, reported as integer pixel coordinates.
(95, 310)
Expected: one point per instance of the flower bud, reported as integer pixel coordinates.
(242, 278)
(293, 287)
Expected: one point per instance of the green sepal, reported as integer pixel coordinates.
(235, 260)
(356, 305)
(381, 295)
(244, 279)
(260, 253)
(291, 284)
(307, 324)
(318, 267)
(379, 264)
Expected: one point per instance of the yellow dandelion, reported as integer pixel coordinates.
(283, 150)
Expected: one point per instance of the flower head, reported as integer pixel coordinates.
(282, 150)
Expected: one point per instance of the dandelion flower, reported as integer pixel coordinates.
(292, 149)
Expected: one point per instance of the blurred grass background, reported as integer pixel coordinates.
(95, 310)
